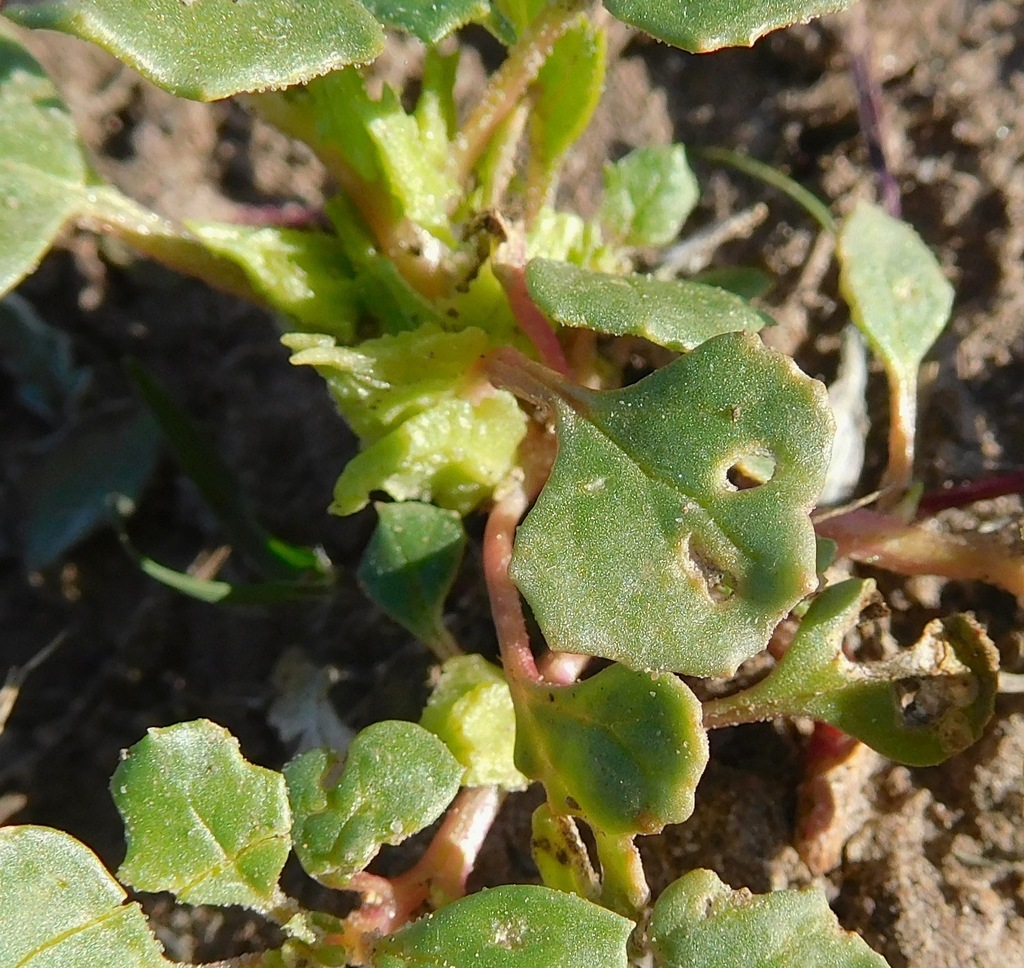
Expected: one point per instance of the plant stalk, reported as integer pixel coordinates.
(509, 83)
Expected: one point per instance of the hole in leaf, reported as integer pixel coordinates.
(750, 471)
(715, 581)
(923, 702)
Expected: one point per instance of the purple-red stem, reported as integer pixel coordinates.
(870, 106)
(959, 495)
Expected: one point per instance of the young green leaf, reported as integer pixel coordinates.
(641, 548)
(303, 275)
(200, 821)
(901, 301)
(42, 169)
(513, 926)
(90, 475)
(674, 314)
(560, 855)
(215, 48)
(471, 709)
(409, 566)
(61, 909)
(381, 383)
(648, 195)
(707, 25)
(403, 395)
(397, 779)
(919, 708)
(568, 89)
(699, 920)
(622, 749)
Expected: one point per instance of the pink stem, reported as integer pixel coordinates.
(531, 320)
(437, 878)
(506, 608)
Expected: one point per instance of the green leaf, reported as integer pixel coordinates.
(403, 395)
(560, 854)
(200, 821)
(471, 709)
(640, 548)
(220, 489)
(210, 49)
(381, 383)
(706, 25)
(699, 920)
(222, 592)
(677, 315)
(91, 474)
(303, 275)
(454, 454)
(410, 564)
(61, 909)
(919, 708)
(897, 293)
(39, 359)
(397, 779)
(622, 749)
(901, 301)
(430, 22)
(512, 926)
(373, 142)
(648, 195)
(568, 89)
(518, 13)
(42, 169)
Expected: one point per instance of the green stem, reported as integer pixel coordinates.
(509, 83)
(108, 212)
(810, 202)
(624, 886)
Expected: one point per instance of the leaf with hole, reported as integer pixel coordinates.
(648, 195)
(699, 920)
(409, 566)
(181, 47)
(395, 780)
(42, 169)
(622, 749)
(471, 709)
(200, 821)
(919, 707)
(677, 315)
(642, 547)
(61, 909)
(901, 302)
(707, 25)
(512, 926)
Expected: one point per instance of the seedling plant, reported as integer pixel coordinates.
(466, 328)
